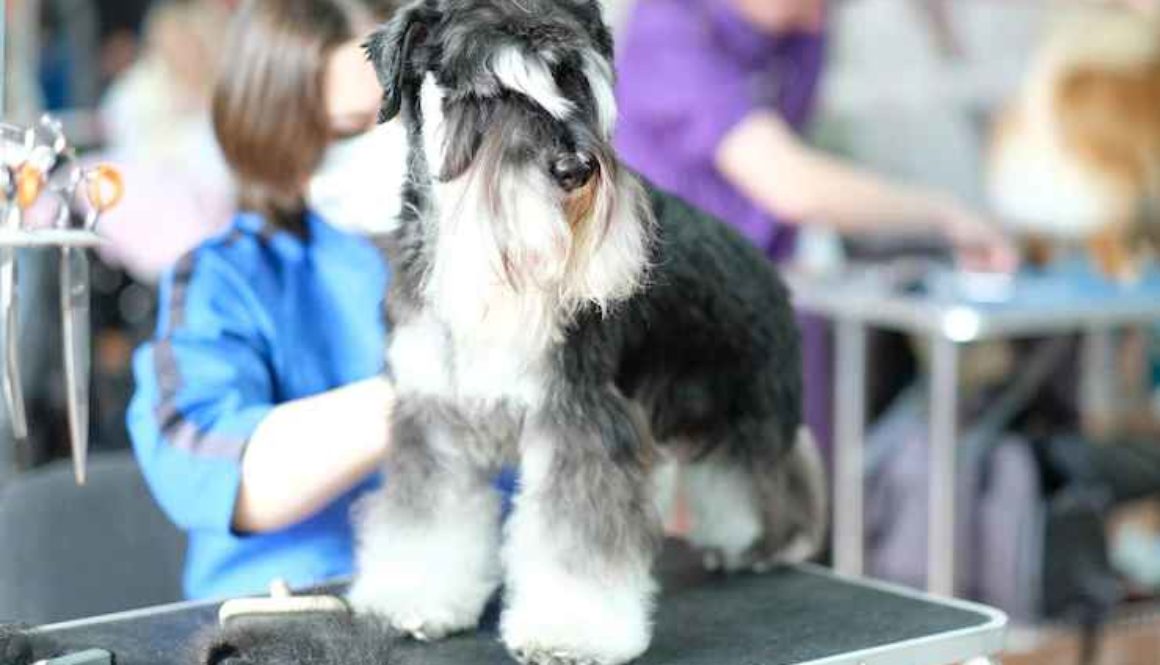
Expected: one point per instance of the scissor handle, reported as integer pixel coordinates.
(104, 187)
(29, 184)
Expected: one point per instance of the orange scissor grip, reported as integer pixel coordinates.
(29, 182)
(104, 187)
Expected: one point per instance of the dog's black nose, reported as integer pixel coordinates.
(572, 170)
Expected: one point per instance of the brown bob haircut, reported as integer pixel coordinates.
(269, 110)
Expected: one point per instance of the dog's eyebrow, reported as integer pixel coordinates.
(600, 81)
(529, 76)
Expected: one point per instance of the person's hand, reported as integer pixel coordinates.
(979, 242)
(307, 452)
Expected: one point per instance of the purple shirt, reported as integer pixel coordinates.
(689, 72)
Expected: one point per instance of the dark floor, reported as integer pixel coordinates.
(1134, 641)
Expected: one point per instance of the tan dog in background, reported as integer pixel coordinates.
(1075, 159)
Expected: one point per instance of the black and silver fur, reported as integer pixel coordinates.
(549, 310)
(15, 647)
(302, 640)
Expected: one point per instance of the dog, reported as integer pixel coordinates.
(1076, 158)
(550, 310)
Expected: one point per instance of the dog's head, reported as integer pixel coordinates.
(510, 108)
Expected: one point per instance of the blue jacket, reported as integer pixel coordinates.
(250, 319)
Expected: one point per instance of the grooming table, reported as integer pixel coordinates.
(796, 616)
(949, 310)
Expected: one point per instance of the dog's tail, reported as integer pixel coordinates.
(317, 640)
(806, 498)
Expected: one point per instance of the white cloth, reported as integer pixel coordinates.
(358, 185)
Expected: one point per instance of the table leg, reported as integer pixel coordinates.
(944, 381)
(850, 420)
(1098, 388)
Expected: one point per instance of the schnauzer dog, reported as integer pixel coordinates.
(551, 310)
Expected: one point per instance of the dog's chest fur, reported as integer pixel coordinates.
(470, 337)
(430, 358)
(474, 340)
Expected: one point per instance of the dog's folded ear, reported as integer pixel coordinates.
(391, 49)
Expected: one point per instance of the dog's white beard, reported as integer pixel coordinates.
(608, 266)
(497, 278)
(507, 265)
(515, 272)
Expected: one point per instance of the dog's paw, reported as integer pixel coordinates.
(417, 615)
(421, 623)
(430, 629)
(719, 560)
(799, 549)
(540, 657)
(758, 559)
(561, 620)
(542, 654)
(432, 579)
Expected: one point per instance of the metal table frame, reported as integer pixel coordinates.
(855, 305)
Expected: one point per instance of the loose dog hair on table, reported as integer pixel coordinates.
(316, 640)
(15, 647)
(550, 309)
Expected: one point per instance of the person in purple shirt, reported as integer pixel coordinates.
(712, 95)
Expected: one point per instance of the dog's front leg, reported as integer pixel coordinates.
(428, 542)
(581, 542)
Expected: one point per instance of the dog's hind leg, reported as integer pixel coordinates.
(428, 542)
(795, 501)
(724, 506)
(666, 485)
(581, 542)
(752, 513)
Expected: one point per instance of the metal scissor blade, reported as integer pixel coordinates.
(12, 385)
(74, 303)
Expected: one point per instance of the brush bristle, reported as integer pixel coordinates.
(299, 640)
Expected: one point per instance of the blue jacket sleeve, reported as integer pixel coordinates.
(203, 383)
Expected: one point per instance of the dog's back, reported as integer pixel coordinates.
(710, 351)
(712, 341)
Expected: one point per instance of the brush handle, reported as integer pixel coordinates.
(246, 608)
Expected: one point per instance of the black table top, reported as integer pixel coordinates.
(790, 616)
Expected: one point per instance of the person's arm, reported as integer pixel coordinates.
(306, 453)
(765, 159)
(217, 453)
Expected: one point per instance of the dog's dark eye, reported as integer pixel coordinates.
(573, 84)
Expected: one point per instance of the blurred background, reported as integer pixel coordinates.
(915, 90)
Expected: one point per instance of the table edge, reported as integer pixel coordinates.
(932, 317)
(955, 645)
